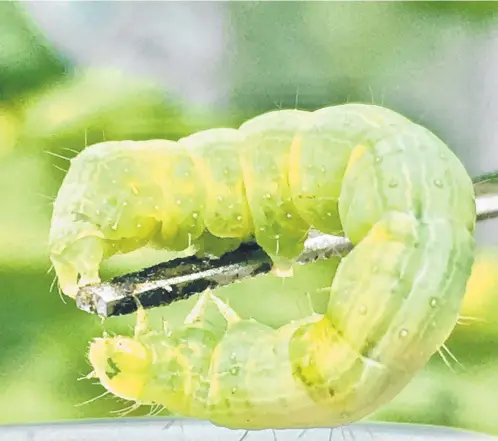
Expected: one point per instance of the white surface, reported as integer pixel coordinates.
(128, 429)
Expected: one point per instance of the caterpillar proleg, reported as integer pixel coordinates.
(395, 190)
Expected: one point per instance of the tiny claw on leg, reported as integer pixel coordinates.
(282, 268)
(230, 315)
(282, 272)
(165, 326)
(141, 326)
(198, 310)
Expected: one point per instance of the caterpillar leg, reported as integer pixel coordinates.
(142, 324)
(228, 313)
(199, 309)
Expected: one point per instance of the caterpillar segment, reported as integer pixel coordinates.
(227, 379)
(391, 186)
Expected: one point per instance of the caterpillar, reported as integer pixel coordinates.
(391, 186)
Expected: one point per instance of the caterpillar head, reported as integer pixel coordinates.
(115, 199)
(104, 206)
(76, 257)
(123, 366)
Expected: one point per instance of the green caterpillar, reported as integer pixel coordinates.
(395, 190)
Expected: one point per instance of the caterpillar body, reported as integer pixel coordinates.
(394, 188)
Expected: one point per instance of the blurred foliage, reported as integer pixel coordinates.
(26, 60)
(48, 105)
(475, 12)
(339, 52)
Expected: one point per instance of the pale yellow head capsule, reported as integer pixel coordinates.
(123, 366)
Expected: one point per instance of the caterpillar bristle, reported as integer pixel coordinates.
(57, 155)
(52, 285)
(92, 400)
(444, 349)
(60, 168)
(452, 356)
(68, 149)
(462, 319)
(121, 413)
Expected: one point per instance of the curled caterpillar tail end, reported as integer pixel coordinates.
(122, 366)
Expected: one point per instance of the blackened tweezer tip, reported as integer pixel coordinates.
(181, 278)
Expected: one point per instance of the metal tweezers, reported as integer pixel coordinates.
(177, 279)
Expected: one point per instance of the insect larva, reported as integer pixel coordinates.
(393, 187)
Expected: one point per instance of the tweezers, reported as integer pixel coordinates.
(178, 279)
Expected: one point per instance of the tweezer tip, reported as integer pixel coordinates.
(96, 299)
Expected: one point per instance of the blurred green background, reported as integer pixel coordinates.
(75, 73)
